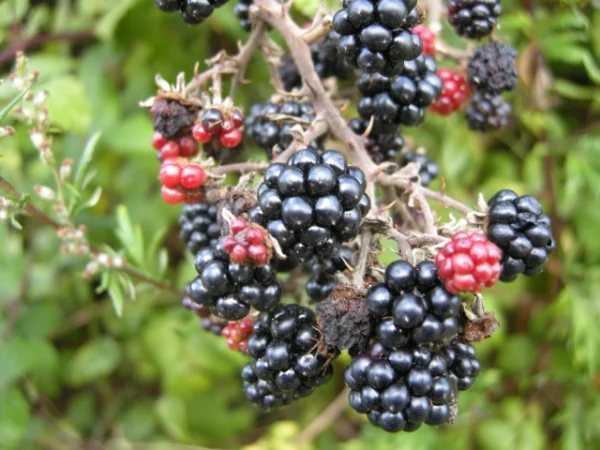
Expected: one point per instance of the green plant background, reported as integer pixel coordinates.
(75, 375)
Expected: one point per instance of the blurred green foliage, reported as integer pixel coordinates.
(75, 375)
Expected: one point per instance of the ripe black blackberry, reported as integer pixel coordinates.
(463, 365)
(289, 359)
(413, 307)
(377, 36)
(401, 99)
(474, 19)
(266, 124)
(321, 280)
(401, 389)
(429, 168)
(518, 226)
(492, 68)
(381, 147)
(230, 289)
(327, 61)
(208, 322)
(198, 226)
(487, 112)
(242, 11)
(311, 204)
(193, 12)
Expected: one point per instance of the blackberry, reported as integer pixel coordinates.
(429, 170)
(198, 226)
(312, 204)
(230, 289)
(412, 306)
(401, 99)
(401, 389)
(492, 68)
(518, 226)
(487, 112)
(474, 19)
(242, 11)
(327, 61)
(377, 36)
(193, 12)
(172, 119)
(266, 124)
(288, 358)
(208, 322)
(219, 153)
(463, 365)
(321, 280)
(381, 147)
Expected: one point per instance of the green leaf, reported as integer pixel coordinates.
(172, 414)
(116, 294)
(86, 159)
(8, 108)
(14, 417)
(90, 202)
(106, 26)
(130, 236)
(68, 104)
(94, 360)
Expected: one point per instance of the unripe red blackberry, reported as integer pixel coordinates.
(454, 92)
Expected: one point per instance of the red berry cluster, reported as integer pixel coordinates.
(182, 181)
(216, 125)
(237, 334)
(184, 147)
(468, 263)
(454, 93)
(428, 38)
(246, 243)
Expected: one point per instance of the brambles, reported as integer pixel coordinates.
(492, 68)
(247, 243)
(518, 226)
(289, 359)
(230, 289)
(454, 92)
(474, 19)
(181, 181)
(312, 204)
(377, 37)
(429, 169)
(198, 226)
(401, 99)
(468, 263)
(487, 112)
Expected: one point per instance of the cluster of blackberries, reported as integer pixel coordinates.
(242, 11)
(198, 226)
(220, 131)
(400, 99)
(231, 289)
(192, 12)
(404, 388)
(182, 181)
(474, 19)
(429, 169)
(518, 226)
(327, 61)
(377, 36)
(311, 204)
(269, 124)
(491, 71)
(381, 146)
(288, 358)
(321, 280)
(208, 322)
(413, 306)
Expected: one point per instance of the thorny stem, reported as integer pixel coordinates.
(39, 215)
(430, 227)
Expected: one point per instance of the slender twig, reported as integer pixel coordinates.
(318, 30)
(318, 128)
(36, 213)
(430, 227)
(435, 10)
(257, 36)
(329, 415)
(358, 274)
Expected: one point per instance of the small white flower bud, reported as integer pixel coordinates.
(44, 192)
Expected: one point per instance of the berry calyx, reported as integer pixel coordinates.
(201, 134)
(428, 38)
(454, 92)
(468, 263)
